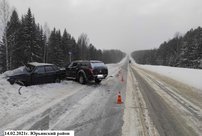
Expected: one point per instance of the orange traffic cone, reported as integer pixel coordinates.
(119, 100)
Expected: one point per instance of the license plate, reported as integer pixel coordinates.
(100, 76)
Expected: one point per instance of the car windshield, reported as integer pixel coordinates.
(55, 67)
(97, 64)
(29, 68)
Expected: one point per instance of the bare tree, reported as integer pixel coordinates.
(4, 17)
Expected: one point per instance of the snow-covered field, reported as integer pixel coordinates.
(191, 77)
(35, 99)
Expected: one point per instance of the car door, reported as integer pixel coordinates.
(68, 70)
(72, 70)
(50, 74)
(38, 75)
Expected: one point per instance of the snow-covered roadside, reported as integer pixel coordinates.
(136, 118)
(34, 98)
(130, 117)
(191, 77)
(14, 105)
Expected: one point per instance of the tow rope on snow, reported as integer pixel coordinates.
(19, 90)
(20, 83)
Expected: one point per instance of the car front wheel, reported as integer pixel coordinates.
(82, 79)
(57, 80)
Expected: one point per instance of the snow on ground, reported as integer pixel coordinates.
(13, 105)
(136, 119)
(191, 77)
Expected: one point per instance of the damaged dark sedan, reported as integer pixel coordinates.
(37, 73)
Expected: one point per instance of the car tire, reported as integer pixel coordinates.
(81, 79)
(97, 81)
(12, 82)
(57, 80)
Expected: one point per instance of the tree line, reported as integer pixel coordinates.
(180, 51)
(25, 41)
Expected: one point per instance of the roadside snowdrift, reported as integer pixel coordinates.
(191, 77)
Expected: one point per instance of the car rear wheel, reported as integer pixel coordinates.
(57, 80)
(82, 79)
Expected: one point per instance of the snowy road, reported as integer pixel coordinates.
(153, 105)
(97, 114)
(160, 108)
(68, 105)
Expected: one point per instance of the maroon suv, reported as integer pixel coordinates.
(84, 71)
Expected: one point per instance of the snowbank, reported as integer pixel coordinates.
(14, 104)
(191, 77)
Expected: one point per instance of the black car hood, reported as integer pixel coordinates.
(16, 72)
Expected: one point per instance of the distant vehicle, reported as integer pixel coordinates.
(37, 73)
(129, 61)
(84, 71)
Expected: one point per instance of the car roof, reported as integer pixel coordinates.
(91, 61)
(39, 64)
(96, 61)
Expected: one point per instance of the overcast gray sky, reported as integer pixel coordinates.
(119, 24)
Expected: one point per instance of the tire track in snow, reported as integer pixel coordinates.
(136, 117)
(164, 118)
(191, 113)
(97, 113)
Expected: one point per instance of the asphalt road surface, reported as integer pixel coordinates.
(151, 107)
(165, 109)
(97, 114)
